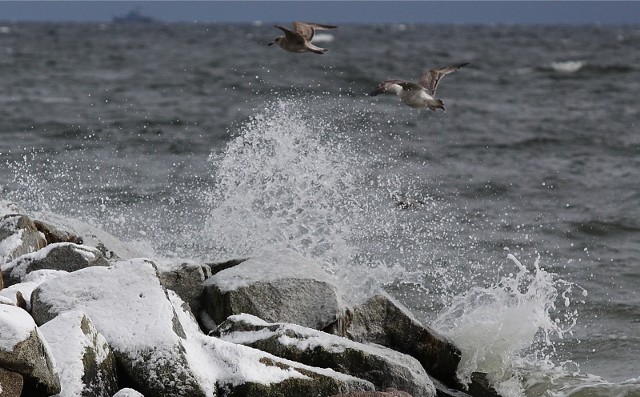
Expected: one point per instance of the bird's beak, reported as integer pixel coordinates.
(271, 43)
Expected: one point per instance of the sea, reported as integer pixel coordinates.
(510, 222)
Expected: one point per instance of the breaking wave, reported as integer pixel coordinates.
(509, 328)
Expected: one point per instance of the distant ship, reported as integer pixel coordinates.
(134, 16)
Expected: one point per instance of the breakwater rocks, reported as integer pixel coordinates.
(82, 315)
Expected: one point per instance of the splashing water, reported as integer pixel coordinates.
(292, 180)
(279, 184)
(508, 325)
(301, 174)
(315, 182)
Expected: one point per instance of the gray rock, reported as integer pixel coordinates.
(86, 365)
(23, 350)
(20, 294)
(54, 235)
(128, 305)
(381, 366)
(480, 386)
(236, 370)
(59, 256)
(217, 267)
(10, 383)
(18, 236)
(384, 321)
(187, 280)
(312, 384)
(277, 286)
(112, 248)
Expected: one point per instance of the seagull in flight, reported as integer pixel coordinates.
(421, 94)
(299, 39)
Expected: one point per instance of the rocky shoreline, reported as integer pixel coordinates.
(82, 316)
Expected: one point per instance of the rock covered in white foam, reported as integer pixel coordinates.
(18, 236)
(83, 359)
(239, 370)
(157, 341)
(382, 366)
(24, 351)
(112, 248)
(20, 294)
(130, 308)
(59, 256)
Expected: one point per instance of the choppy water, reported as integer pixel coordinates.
(200, 141)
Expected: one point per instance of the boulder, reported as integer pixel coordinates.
(20, 294)
(130, 308)
(112, 248)
(54, 235)
(384, 321)
(229, 369)
(68, 257)
(85, 363)
(23, 350)
(185, 279)
(18, 236)
(10, 383)
(381, 366)
(277, 286)
(309, 383)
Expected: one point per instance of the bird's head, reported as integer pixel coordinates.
(277, 40)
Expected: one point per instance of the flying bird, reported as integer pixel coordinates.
(421, 94)
(299, 39)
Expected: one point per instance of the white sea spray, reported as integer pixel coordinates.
(509, 326)
(291, 178)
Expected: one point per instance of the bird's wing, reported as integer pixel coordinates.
(307, 29)
(291, 35)
(429, 78)
(392, 86)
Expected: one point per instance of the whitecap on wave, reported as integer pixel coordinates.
(567, 66)
(323, 38)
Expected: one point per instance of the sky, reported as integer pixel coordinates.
(459, 12)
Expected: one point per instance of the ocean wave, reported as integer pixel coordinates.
(577, 68)
(532, 142)
(602, 228)
(566, 381)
